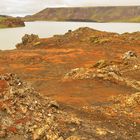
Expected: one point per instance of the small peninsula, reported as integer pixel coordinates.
(10, 22)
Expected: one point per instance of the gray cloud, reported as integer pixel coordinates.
(24, 7)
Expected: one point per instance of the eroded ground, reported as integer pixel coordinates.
(82, 70)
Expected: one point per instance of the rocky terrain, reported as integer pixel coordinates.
(89, 14)
(9, 22)
(25, 114)
(86, 87)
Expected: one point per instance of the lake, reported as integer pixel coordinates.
(11, 36)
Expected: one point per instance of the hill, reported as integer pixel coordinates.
(9, 22)
(95, 14)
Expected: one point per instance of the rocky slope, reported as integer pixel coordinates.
(89, 14)
(9, 22)
(27, 115)
(92, 75)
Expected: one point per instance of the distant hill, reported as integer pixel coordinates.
(9, 22)
(98, 14)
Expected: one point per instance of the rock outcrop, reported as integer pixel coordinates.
(110, 71)
(81, 37)
(25, 114)
(129, 55)
(28, 42)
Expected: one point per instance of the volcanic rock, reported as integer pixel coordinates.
(28, 41)
(108, 71)
(129, 55)
(25, 112)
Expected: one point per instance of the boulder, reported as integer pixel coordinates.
(74, 138)
(28, 41)
(100, 64)
(129, 55)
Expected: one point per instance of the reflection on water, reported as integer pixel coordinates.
(10, 37)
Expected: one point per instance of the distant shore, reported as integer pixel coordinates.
(10, 22)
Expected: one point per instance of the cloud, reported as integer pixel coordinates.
(24, 7)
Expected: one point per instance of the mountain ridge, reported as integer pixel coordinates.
(95, 14)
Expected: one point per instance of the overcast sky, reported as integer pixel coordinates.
(25, 7)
